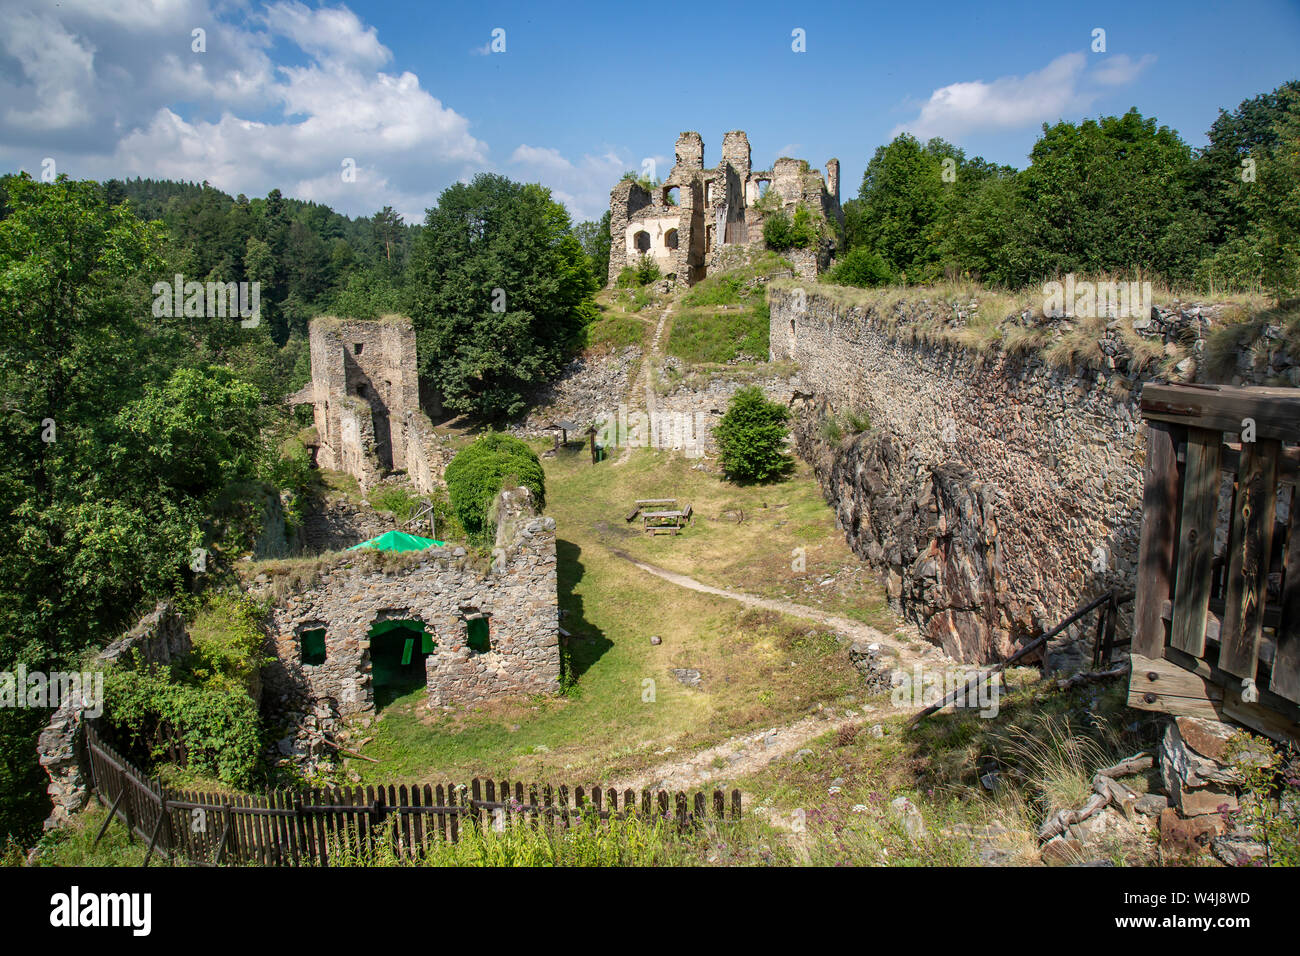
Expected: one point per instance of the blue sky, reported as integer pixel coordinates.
(285, 93)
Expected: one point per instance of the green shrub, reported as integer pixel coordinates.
(402, 503)
(227, 638)
(857, 421)
(832, 431)
(1270, 805)
(751, 437)
(643, 273)
(481, 470)
(782, 232)
(862, 267)
(218, 724)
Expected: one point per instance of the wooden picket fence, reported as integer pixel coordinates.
(302, 827)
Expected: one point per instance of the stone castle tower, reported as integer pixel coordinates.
(698, 218)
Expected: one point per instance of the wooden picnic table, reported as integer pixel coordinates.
(660, 522)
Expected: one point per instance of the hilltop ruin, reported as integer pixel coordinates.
(698, 220)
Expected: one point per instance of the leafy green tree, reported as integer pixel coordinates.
(782, 231)
(1111, 196)
(1251, 131)
(983, 235)
(478, 473)
(113, 446)
(901, 200)
(501, 292)
(596, 242)
(196, 431)
(1253, 168)
(751, 437)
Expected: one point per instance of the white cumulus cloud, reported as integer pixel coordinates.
(1069, 84)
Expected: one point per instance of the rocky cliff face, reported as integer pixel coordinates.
(932, 528)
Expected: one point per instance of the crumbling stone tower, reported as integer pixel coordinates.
(700, 219)
(366, 399)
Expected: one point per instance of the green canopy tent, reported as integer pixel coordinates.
(398, 541)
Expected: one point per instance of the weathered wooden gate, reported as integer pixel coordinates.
(1217, 620)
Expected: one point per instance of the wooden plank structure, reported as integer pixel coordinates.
(302, 827)
(1217, 630)
(667, 518)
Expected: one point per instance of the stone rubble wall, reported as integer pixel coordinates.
(427, 454)
(440, 587)
(158, 638)
(990, 536)
(338, 524)
(996, 491)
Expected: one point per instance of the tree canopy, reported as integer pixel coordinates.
(501, 291)
(1117, 194)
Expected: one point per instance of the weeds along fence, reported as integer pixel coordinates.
(302, 827)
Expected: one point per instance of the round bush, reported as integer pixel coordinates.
(480, 471)
(751, 437)
(862, 267)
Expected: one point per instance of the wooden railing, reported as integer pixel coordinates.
(1217, 619)
(302, 827)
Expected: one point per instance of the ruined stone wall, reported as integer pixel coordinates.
(441, 587)
(716, 209)
(996, 491)
(988, 483)
(426, 453)
(158, 638)
(364, 389)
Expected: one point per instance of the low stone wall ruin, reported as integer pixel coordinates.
(442, 588)
(158, 638)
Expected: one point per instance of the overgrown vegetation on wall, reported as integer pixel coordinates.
(207, 701)
(725, 318)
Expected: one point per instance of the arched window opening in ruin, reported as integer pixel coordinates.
(312, 645)
(642, 241)
(478, 636)
(763, 185)
(397, 652)
(672, 195)
(357, 347)
(670, 239)
(708, 192)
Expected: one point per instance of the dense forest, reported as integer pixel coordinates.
(126, 432)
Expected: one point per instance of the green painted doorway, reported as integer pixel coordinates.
(397, 653)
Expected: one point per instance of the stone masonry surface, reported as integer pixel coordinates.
(995, 491)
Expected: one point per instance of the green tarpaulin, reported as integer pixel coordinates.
(398, 541)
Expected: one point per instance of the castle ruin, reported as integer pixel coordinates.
(700, 219)
(366, 399)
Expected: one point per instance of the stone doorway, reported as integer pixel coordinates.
(398, 648)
